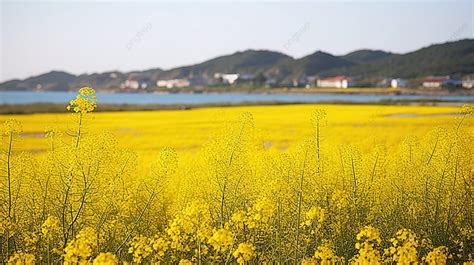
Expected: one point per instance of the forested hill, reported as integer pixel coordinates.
(449, 58)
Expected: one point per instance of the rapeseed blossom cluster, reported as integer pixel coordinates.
(12, 127)
(84, 102)
(160, 245)
(50, 227)
(105, 259)
(324, 255)
(22, 258)
(368, 244)
(244, 252)
(314, 219)
(259, 213)
(438, 255)
(221, 240)
(404, 247)
(141, 247)
(189, 227)
(82, 247)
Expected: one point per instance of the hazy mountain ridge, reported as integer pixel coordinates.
(54, 80)
(448, 58)
(439, 59)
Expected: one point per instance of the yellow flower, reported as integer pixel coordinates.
(221, 239)
(84, 102)
(160, 245)
(369, 240)
(404, 247)
(185, 262)
(12, 127)
(260, 213)
(467, 110)
(81, 248)
(325, 255)
(21, 258)
(312, 215)
(140, 248)
(244, 252)
(438, 255)
(105, 259)
(192, 224)
(239, 218)
(50, 227)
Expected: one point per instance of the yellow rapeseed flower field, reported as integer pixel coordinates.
(280, 126)
(309, 184)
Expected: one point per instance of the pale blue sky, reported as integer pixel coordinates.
(86, 37)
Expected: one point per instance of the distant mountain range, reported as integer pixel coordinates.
(366, 66)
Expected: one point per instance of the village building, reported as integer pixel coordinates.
(227, 78)
(134, 81)
(398, 82)
(135, 84)
(468, 84)
(440, 81)
(335, 82)
(172, 83)
(132, 84)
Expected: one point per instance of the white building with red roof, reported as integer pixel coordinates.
(439, 81)
(335, 82)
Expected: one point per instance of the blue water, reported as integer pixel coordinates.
(17, 97)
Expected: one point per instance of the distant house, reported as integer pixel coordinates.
(398, 82)
(132, 84)
(134, 81)
(172, 83)
(335, 81)
(135, 84)
(468, 84)
(227, 78)
(439, 81)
